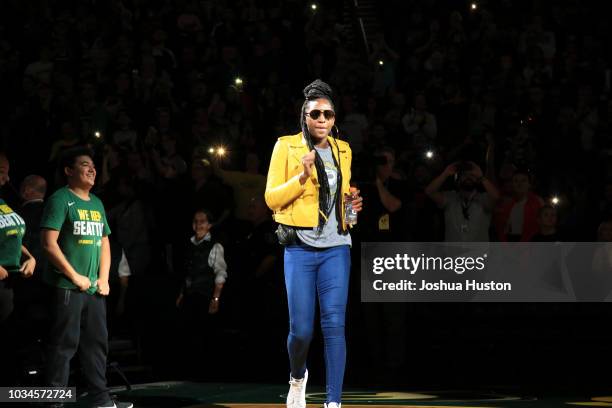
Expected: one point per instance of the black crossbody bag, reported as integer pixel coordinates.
(286, 234)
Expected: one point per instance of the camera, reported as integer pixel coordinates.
(464, 166)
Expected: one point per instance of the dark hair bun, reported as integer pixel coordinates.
(318, 89)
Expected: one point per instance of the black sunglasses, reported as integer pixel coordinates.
(315, 113)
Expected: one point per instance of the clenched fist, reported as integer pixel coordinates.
(307, 161)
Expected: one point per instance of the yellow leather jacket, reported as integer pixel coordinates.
(293, 203)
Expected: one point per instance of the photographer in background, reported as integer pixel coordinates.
(381, 219)
(467, 212)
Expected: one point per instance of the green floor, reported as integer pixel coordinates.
(186, 394)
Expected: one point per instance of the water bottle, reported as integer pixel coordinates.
(350, 215)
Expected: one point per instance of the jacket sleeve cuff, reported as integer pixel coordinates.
(286, 193)
(296, 187)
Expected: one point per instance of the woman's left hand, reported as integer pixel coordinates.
(27, 268)
(356, 199)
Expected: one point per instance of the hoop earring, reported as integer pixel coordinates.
(337, 136)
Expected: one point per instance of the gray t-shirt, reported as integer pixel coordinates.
(327, 236)
(457, 227)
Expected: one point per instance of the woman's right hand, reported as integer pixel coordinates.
(3, 273)
(307, 161)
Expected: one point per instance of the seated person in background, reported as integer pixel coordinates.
(547, 221)
(516, 220)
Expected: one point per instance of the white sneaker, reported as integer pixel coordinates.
(333, 405)
(296, 398)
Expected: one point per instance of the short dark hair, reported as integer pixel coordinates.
(68, 157)
(36, 183)
(206, 212)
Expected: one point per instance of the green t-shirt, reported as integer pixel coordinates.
(12, 229)
(81, 225)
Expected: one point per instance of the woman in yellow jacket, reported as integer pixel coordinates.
(308, 183)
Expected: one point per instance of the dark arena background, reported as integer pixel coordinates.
(182, 102)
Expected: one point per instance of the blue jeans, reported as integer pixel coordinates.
(310, 271)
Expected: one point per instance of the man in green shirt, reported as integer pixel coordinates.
(74, 235)
(12, 229)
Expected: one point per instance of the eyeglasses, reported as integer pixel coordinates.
(315, 113)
